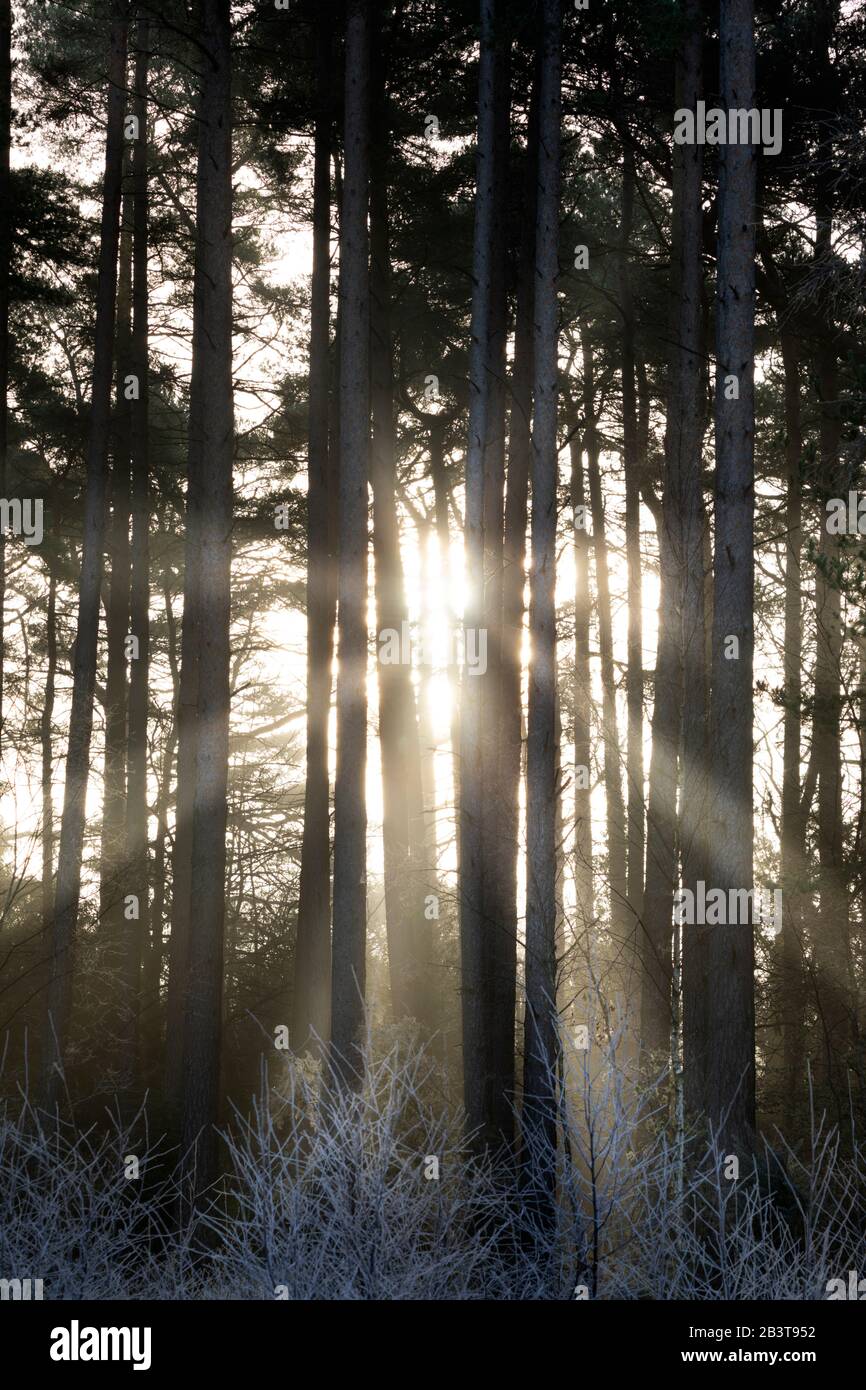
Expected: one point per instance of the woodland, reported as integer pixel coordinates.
(433, 658)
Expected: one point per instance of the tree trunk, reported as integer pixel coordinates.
(729, 1098)
(661, 855)
(311, 1005)
(402, 793)
(47, 768)
(5, 258)
(631, 466)
(620, 915)
(582, 708)
(861, 813)
(181, 860)
(151, 980)
(514, 552)
(500, 941)
(679, 708)
(832, 945)
(439, 478)
(112, 877)
(511, 640)
(87, 633)
(685, 433)
(137, 932)
(473, 929)
(209, 543)
(540, 1025)
(792, 847)
(430, 809)
(350, 810)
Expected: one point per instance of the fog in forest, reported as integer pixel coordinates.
(433, 662)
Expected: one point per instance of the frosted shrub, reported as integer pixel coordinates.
(647, 1211)
(376, 1195)
(72, 1215)
(369, 1196)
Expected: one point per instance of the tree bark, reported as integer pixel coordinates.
(209, 543)
(514, 550)
(402, 792)
(181, 857)
(584, 893)
(311, 1004)
(428, 750)
(68, 887)
(540, 1026)
(113, 849)
(832, 945)
(513, 583)
(350, 811)
(679, 706)
(500, 940)
(685, 431)
(620, 915)
(5, 258)
(729, 1098)
(661, 854)
(151, 977)
(792, 848)
(439, 479)
(45, 722)
(631, 466)
(137, 943)
(473, 954)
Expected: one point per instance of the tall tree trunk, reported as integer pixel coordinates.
(540, 1037)
(209, 543)
(563, 952)
(429, 747)
(5, 257)
(151, 979)
(137, 930)
(861, 815)
(686, 426)
(679, 711)
(833, 965)
(832, 945)
(792, 833)
(350, 810)
(514, 549)
(47, 768)
(181, 860)
(112, 884)
(87, 633)
(631, 465)
(582, 707)
(311, 1005)
(729, 1098)
(500, 968)
(620, 915)
(439, 478)
(661, 854)
(473, 928)
(402, 794)
(511, 639)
